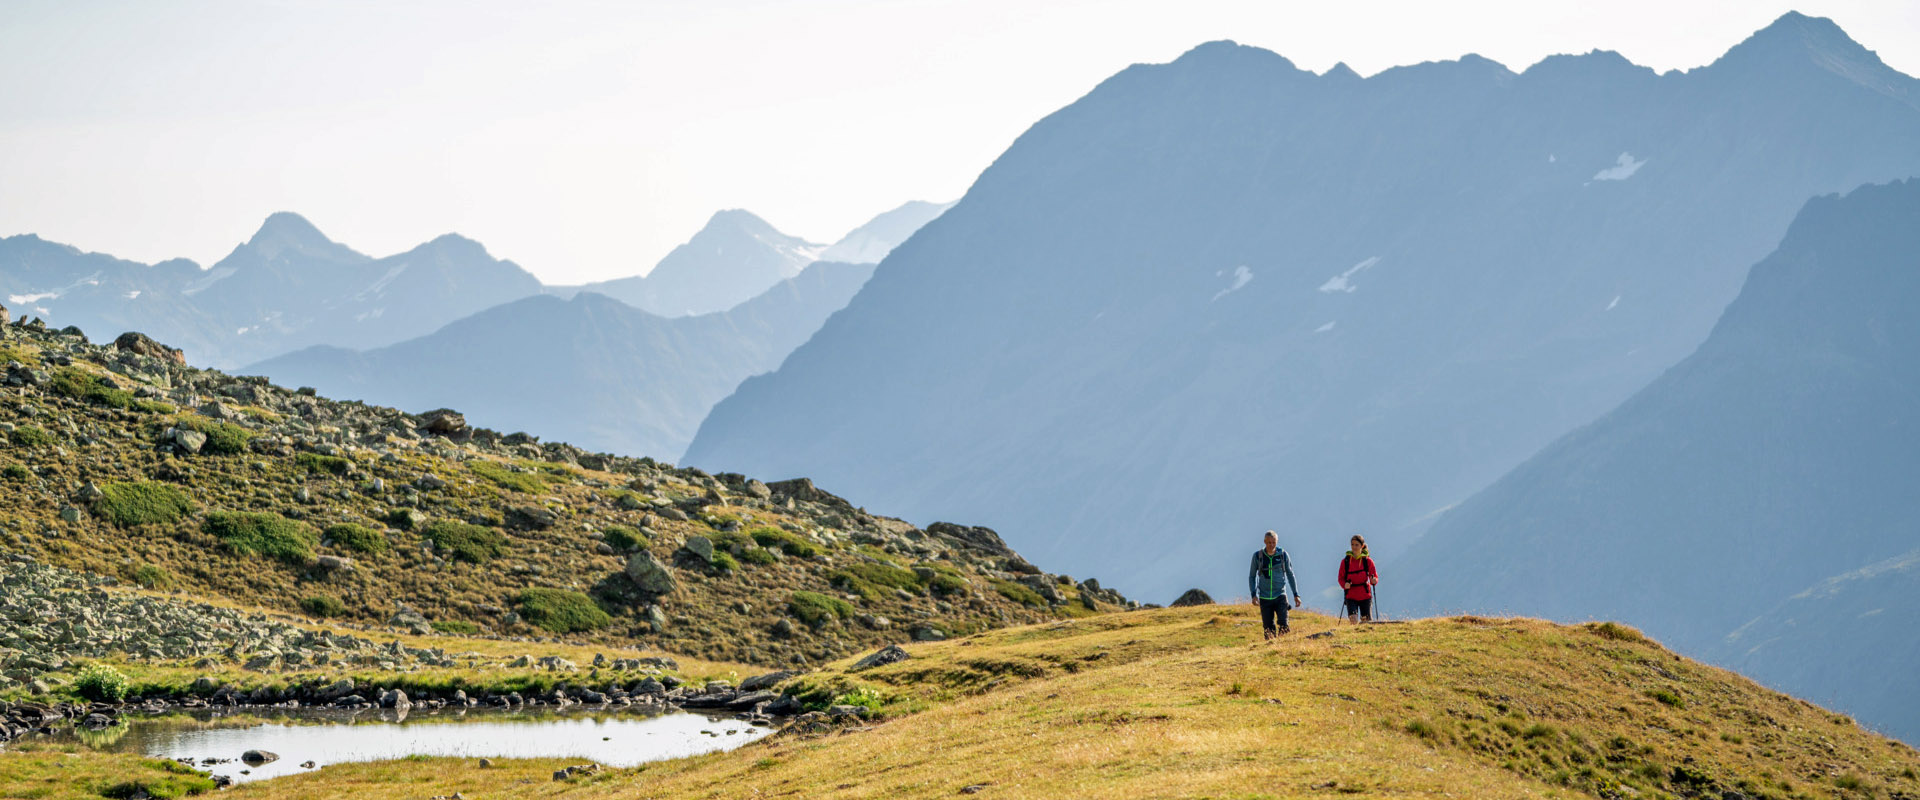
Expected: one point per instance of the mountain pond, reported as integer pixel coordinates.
(215, 740)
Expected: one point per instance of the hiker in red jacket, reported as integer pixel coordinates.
(1358, 577)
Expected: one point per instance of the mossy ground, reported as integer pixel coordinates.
(1190, 703)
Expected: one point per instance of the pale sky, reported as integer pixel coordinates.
(585, 139)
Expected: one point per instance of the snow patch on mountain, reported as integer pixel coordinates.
(1241, 276)
(1343, 282)
(1622, 169)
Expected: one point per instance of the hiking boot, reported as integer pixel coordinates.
(1284, 630)
(1269, 634)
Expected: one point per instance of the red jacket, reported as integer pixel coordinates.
(1354, 575)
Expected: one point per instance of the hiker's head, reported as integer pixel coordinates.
(1271, 539)
(1358, 544)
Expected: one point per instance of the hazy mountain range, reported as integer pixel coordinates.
(290, 287)
(1223, 295)
(1756, 503)
(590, 371)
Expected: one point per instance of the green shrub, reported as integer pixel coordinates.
(1421, 728)
(758, 556)
(152, 577)
(358, 538)
(470, 543)
(153, 407)
(255, 533)
(947, 585)
(865, 697)
(818, 609)
(504, 477)
(142, 503)
(101, 683)
(561, 611)
(223, 438)
(724, 562)
(871, 580)
(1019, 593)
(787, 542)
(401, 518)
(15, 472)
(31, 437)
(314, 462)
(456, 626)
(321, 605)
(25, 357)
(179, 781)
(621, 537)
(82, 385)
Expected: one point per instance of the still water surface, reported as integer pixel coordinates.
(613, 738)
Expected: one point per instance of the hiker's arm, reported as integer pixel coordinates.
(1286, 566)
(1253, 569)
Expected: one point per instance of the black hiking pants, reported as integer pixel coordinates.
(1273, 614)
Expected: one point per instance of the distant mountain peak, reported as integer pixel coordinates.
(1796, 38)
(285, 231)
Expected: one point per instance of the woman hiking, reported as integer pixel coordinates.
(1267, 580)
(1358, 577)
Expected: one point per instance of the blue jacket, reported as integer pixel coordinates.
(1269, 576)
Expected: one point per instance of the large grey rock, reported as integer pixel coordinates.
(765, 681)
(1193, 597)
(701, 547)
(187, 440)
(649, 574)
(891, 654)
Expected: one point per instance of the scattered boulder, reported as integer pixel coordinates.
(258, 757)
(1193, 597)
(701, 547)
(649, 574)
(143, 345)
(891, 654)
(443, 421)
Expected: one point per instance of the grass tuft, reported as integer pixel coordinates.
(504, 477)
(561, 611)
(470, 543)
(358, 538)
(817, 609)
(142, 503)
(262, 534)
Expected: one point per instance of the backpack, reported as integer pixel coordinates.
(1347, 569)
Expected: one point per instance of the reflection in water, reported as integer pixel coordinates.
(619, 739)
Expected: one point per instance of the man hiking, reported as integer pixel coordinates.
(1267, 580)
(1358, 577)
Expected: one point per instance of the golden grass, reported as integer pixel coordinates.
(1189, 703)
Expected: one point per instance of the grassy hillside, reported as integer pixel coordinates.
(121, 461)
(1189, 703)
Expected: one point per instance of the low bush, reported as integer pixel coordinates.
(314, 462)
(788, 543)
(1019, 593)
(870, 579)
(470, 543)
(142, 503)
(457, 627)
(948, 585)
(865, 697)
(321, 605)
(256, 533)
(1615, 631)
(151, 576)
(621, 537)
(724, 562)
(16, 472)
(503, 476)
(358, 538)
(223, 438)
(31, 437)
(561, 611)
(818, 609)
(81, 385)
(758, 556)
(401, 518)
(101, 683)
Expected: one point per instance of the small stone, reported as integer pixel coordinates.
(486, 763)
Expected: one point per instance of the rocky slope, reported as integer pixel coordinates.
(121, 460)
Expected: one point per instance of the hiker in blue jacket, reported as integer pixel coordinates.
(1267, 580)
